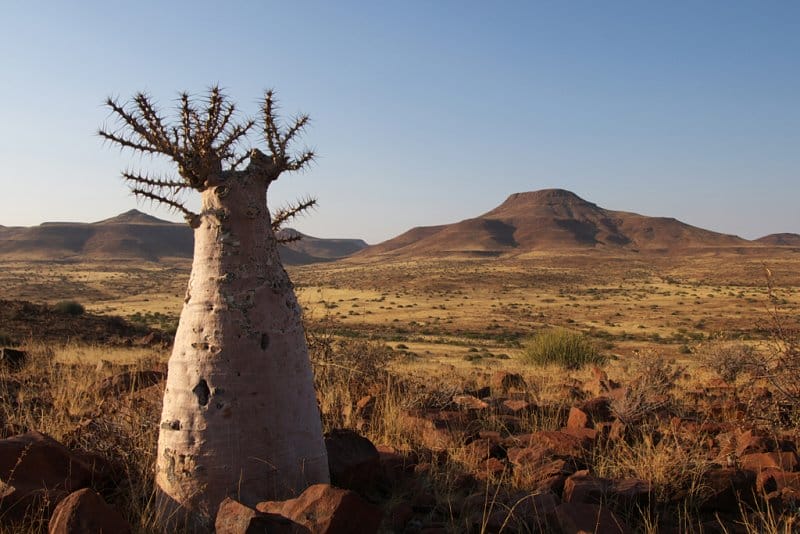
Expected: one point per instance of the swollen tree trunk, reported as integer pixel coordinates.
(240, 416)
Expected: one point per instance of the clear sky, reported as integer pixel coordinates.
(426, 112)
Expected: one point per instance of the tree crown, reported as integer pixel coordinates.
(208, 142)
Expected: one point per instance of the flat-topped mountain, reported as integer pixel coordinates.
(134, 235)
(551, 219)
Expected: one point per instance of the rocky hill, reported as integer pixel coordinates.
(551, 219)
(134, 235)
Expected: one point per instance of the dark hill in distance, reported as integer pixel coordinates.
(134, 235)
(780, 240)
(547, 220)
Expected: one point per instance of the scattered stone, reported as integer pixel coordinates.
(85, 512)
(323, 509)
(468, 402)
(234, 517)
(784, 460)
(35, 469)
(578, 419)
(725, 488)
(515, 407)
(353, 460)
(582, 487)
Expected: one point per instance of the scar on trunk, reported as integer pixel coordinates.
(202, 392)
(264, 341)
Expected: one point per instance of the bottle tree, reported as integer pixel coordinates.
(240, 416)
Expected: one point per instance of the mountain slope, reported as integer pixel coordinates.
(780, 240)
(550, 219)
(134, 235)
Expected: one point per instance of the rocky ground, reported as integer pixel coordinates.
(648, 451)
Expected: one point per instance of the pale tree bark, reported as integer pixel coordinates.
(240, 416)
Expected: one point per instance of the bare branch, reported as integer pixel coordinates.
(291, 211)
(301, 161)
(172, 203)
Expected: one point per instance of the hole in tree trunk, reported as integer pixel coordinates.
(264, 341)
(201, 391)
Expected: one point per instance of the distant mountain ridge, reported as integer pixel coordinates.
(134, 235)
(551, 219)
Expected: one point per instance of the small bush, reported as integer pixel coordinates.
(728, 359)
(69, 307)
(570, 350)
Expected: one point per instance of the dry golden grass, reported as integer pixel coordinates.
(450, 325)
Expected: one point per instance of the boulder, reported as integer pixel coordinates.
(353, 460)
(323, 509)
(581, 487)
(35, 469)
(85, 512)
(784, 460)
(578, 419)
(725, 487)
(234, 517)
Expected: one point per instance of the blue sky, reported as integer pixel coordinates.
(427, 112)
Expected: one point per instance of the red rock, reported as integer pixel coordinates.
(561, 443)
(436, 430)
(520, 456)
(589, 435)
(36, 469)
(725, 488)
(515, 406)
(785, 461)
(481, 449)
(491, 435)
(394, 465)
(770, 480)
(579, 419)
(85, 512)
(469, 402)
(748, 443)
(491, 468)
(234, 517)
(323, 509)
(582, 487)
(353, 460)
(579, 518)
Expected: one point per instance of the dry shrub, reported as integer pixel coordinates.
(346, 371)
(649, 391)
(779, 363)
(729, 359)
(673, 467)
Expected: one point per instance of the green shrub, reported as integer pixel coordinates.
(568, 349)
(69, 307)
